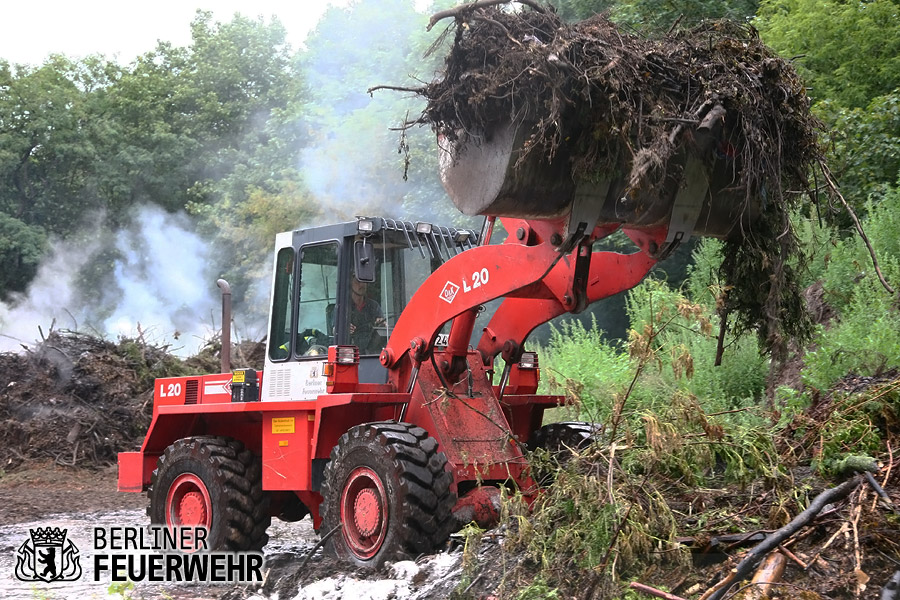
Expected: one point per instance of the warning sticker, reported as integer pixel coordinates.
(283, 425)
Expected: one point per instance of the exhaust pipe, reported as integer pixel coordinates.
(226, 325)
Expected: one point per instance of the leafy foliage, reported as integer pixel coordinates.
(650, 15)
(850, 50)
(199, 128)
(865, 339)
(579, 363)
(21, 249)
(864, 146)
(355, 131)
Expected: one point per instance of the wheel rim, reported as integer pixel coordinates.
(188, 503)
(364, 512)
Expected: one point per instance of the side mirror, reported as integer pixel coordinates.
(364, 255)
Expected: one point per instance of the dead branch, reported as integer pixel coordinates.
(321, 543)
(879, 490)
(467, 8)
(779, 536)
(653, 591)
(793, 557)
(890, 464)
(861, 577)
(862, 234)
(393, 88)
(844, 527)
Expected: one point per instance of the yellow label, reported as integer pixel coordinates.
(311, 417)
(282, 443)
(238, 377)
(283, 425)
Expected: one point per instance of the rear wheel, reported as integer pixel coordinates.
(215, 483)
(560, 441)
(387, 486)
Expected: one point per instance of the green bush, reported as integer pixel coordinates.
(865, 339)
(579, 363)
(686, 346)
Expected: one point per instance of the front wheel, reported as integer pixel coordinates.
(215, 483)
(387, 488)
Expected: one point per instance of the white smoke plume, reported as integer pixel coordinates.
(161, 287)
(164, 284)
(50, 298)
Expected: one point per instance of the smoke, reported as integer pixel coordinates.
(156, 278)
(50, 297)
(163, 282)
(161, 286)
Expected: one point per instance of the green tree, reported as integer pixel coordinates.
(850, 50)
(49, 153)
(21, 249)
(864, 146)
(198, 127)
(353, 161)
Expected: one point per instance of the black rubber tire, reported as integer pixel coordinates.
(291, 509)
(232, 476)
(562, 441)
(416, 483)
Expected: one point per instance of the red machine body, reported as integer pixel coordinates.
(389, 457)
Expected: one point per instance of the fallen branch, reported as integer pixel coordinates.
(653, 591)
(793, 557)
(879, 490)
(321, 543)
(779, 536)
(861, 577)
(845, 526)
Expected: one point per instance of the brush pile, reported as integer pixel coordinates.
(78, 400)
(618, 106)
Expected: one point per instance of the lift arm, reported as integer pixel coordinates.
(536, 274)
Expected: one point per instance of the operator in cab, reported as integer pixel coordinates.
(365, 317)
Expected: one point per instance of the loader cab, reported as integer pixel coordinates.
(345, 284)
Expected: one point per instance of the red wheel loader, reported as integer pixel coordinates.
(390, 441)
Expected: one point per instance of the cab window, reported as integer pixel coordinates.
(283, 294)
(318, 297)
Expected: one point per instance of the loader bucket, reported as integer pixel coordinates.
(484, 176)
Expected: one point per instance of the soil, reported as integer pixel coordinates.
(487, 570)
(45, 489)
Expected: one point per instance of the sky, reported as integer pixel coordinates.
(32, 30)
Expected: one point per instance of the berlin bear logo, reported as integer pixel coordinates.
(48, 556)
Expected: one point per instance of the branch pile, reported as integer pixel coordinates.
(617, 105)
(78, 400)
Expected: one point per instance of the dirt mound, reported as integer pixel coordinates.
(78, 400)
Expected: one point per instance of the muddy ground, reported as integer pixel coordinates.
(79, 499)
